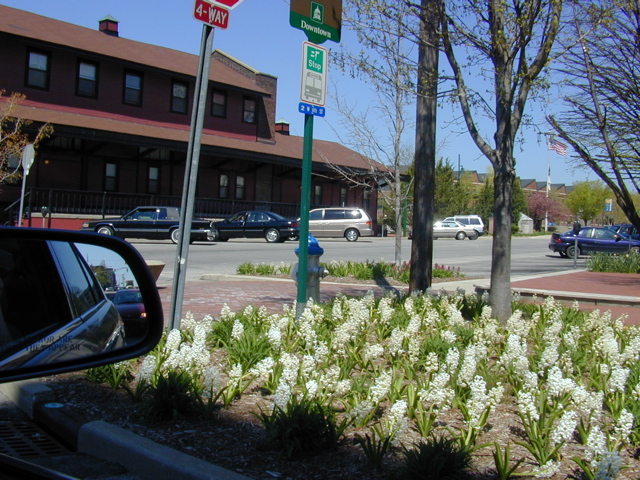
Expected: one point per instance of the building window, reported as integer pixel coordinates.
(224, 186)
(366, 200)
(87, 80)
(317, 195)
(39, 66)
(240, 191)
(343, 196)
(219, 104)
(179, 96)
(249, 110)
(154, 180)
(111, 177)
(132, 89)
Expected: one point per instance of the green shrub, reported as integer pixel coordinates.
(170, 398)
(303, 427)
(436, 459)
(614, 263)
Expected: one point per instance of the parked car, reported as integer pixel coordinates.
(155, 223)
(626, 229)
(474, 221)
(348, 222)
(455, 230)
(592, 239)
(256, 224)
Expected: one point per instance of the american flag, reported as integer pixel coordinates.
(558, 147)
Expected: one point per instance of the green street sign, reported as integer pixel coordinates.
(320, 20)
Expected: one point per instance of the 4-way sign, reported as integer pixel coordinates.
(211, 14)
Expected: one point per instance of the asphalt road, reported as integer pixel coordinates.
(529, 256)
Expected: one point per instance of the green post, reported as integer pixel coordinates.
(305, 206)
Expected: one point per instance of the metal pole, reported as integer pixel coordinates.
(191, 176)
(305, 206)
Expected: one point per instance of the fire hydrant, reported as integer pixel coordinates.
(315, 272)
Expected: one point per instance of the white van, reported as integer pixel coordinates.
(471, 220)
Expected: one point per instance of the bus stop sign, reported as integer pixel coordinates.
(314, 74)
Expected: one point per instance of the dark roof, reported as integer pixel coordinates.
(44, 29)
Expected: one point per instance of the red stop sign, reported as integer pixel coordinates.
(227, 3)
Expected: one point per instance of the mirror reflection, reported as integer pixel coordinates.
(61, 301)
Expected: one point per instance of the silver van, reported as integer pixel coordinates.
(347, 222)
(474, 221)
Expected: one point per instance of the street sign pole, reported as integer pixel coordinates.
(305, 204)
(191, 175)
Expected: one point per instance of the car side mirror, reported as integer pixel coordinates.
(54, 312)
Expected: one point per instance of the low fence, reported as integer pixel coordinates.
(73, 203)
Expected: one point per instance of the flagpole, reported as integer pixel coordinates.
(546, 207)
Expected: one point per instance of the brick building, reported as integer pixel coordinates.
(121, 114)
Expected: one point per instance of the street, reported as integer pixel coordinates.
(529, 256)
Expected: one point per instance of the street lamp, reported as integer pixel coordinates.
(28, 154)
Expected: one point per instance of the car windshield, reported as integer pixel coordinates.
(127, 296)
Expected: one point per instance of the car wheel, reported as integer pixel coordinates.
(634, 249)
(175, 235)
(272, 235)
(352, 235)
(105, 230)
(571, 251)
(461, 236)
(474, 236)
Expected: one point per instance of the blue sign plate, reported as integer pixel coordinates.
(309, 109)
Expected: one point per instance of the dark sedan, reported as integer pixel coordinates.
(160, 223)
(626, 229)
(130, 306)
(257, 224)
(592, 239)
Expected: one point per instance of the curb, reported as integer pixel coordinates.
(137, 454)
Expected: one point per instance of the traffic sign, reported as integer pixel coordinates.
(309, 109)
(211, 14)
(227, 3)
(314, 74)
(320, 20)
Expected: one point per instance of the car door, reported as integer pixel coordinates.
(140, 223)
(334, 223)
(233, 227)
(316, 223)
(163, 224)
(609, 242)
(256, 224)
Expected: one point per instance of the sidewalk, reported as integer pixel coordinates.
(619, 293)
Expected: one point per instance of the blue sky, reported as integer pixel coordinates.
(259, 35)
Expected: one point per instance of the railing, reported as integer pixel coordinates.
(76, 202)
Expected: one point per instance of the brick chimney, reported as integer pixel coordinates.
(109, 25)
(282, 127)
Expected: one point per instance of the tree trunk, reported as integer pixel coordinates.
(425, 157)
(500, 296)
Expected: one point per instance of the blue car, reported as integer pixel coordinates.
(592, 239)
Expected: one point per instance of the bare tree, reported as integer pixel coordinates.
(512, 40)
(14, 137)
(385, 65)
(602, 119)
